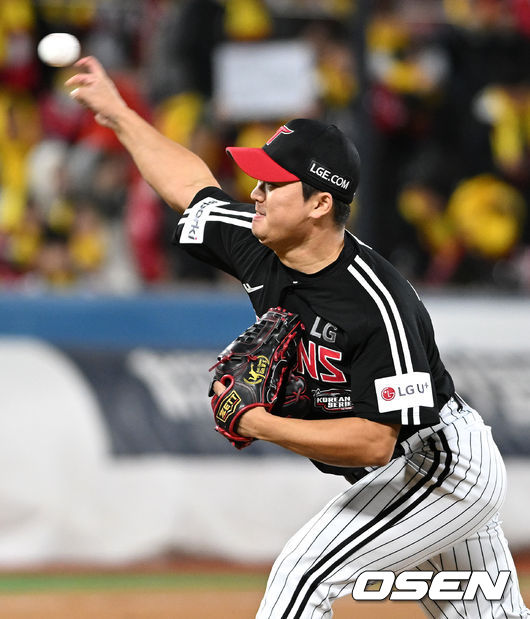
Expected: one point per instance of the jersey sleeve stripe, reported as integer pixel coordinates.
(234, 219)
(395, 311)
(214, 207)
(226, 211)
(193, 225)
(384, 314)
(230, 220)
(206, 202)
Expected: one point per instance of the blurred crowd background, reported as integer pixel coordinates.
(436, 93)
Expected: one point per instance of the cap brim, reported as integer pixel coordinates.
(256, 163)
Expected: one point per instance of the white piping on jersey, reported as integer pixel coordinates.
(376, 296)
(384, 313)
(395, 311)
(357, 239)
(227, 211)
(195, 219)
(401, 329)
(211, 203)
(365, 245)
(217, 210)
(230, 220)
(249, 289)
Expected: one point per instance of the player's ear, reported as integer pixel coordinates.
(322, 204)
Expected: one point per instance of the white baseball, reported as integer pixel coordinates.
(59, 49)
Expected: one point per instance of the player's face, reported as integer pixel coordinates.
(281, 220)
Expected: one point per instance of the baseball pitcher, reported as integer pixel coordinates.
(346, 351)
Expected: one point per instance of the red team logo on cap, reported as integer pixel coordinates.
(388, 393)
(282, 129)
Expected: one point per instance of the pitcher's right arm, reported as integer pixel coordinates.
(173, 171)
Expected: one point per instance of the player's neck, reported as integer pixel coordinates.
(315, 254)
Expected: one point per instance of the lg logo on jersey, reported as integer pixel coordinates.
(388, 394)
(328, 332)
(404, 391)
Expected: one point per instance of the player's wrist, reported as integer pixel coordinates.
(254, 423)
(124, 120)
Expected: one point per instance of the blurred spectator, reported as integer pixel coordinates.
(18, 67)
(506, 110)
(432, 253)
(19, 131)
(19, 248)
(468, 235)
(448, 102)
(487, 214)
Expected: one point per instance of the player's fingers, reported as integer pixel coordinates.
(80, 79)
(91, 65)
(218, 388)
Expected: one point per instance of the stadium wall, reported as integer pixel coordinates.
(107, 443)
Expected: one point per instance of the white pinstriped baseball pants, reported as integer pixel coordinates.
(434, 508)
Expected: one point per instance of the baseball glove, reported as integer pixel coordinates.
(254, 369)
(294, 402)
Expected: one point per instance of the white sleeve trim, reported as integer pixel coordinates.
(195, 219)
(408, 404)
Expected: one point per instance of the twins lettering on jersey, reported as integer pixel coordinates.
(318, 360)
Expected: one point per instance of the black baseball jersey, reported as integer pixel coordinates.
(368, 349)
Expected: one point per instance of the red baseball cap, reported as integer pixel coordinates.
(305, 150)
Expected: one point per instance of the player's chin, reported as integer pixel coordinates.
(258, 227)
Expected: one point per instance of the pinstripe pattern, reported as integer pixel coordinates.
(396, 511)
(433, 508)
(485, 550)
